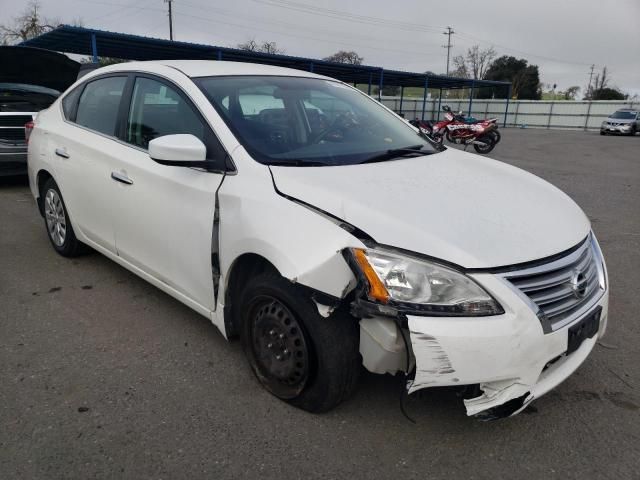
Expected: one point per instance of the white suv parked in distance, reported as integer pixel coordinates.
(304, 217)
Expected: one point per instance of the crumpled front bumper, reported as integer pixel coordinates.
(508, 355)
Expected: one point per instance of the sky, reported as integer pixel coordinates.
(564, 38)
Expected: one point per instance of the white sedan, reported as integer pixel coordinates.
(301, 215)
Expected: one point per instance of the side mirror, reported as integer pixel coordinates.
(178, 150)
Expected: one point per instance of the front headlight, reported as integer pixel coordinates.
(419, 286)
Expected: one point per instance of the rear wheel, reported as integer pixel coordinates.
(56, 219)
(309, 361)
(496, 136)
(488, 144)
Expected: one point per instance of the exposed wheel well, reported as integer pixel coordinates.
(41, 179)
(244, 267)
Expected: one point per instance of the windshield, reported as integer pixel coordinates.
(624, 115)
(20, 97)
(309, 122)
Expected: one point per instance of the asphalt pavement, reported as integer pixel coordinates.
(104, 376)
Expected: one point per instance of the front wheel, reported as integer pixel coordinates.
(488, 144)
(307, 360)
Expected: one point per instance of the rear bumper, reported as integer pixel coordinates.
(13, 160)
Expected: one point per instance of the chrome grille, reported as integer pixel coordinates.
(562, 289)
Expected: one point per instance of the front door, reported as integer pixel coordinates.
(164, 215)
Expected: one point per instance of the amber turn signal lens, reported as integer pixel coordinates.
(377, 290)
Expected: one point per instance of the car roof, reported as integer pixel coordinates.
(211, 68)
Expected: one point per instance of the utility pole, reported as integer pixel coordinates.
(170, 19)
(448, 46)
(589, 87)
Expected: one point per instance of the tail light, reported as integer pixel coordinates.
(28, 128)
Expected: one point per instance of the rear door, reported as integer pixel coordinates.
(84, 148)
(164, 215)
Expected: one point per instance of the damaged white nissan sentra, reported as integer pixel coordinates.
(304, 217)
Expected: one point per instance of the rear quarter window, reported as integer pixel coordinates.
(70, 101)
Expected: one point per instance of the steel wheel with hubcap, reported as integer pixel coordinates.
(301, 357)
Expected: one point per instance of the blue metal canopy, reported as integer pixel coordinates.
(88, 41)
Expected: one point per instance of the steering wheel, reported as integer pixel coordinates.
(342, 122)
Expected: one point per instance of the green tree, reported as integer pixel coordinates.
(608, 93)
(524, 78)
(571, 92)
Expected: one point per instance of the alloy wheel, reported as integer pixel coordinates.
(55, 217)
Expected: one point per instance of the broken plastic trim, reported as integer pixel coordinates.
(215, 244)
(505, 410)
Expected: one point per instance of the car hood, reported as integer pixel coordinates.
(462, 208)
(34, 66)
(620, 120)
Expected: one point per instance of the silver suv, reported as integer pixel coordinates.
(624, 121)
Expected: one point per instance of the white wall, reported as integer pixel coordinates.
(532, 113)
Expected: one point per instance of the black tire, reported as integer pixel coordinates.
(633, 131)
(602, 133)
(68, 245)
(449, 137)
(496, 136)
(322, 365)
(488, 140)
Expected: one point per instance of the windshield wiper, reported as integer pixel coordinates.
(297, 163)
(397, 152)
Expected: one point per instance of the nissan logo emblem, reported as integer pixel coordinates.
(578, 284)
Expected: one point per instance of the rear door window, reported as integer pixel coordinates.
(99, 104)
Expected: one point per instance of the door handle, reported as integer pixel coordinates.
(61, 152)
(122, 178)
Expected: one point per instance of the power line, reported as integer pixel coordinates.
(217, 21)
(352, 17)
(522, 52)
(448, 46)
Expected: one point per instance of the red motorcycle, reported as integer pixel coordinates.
(482, 134)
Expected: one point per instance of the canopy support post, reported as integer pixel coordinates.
(94, 48)
(506, 108)
(424, 96)
(401, 95)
